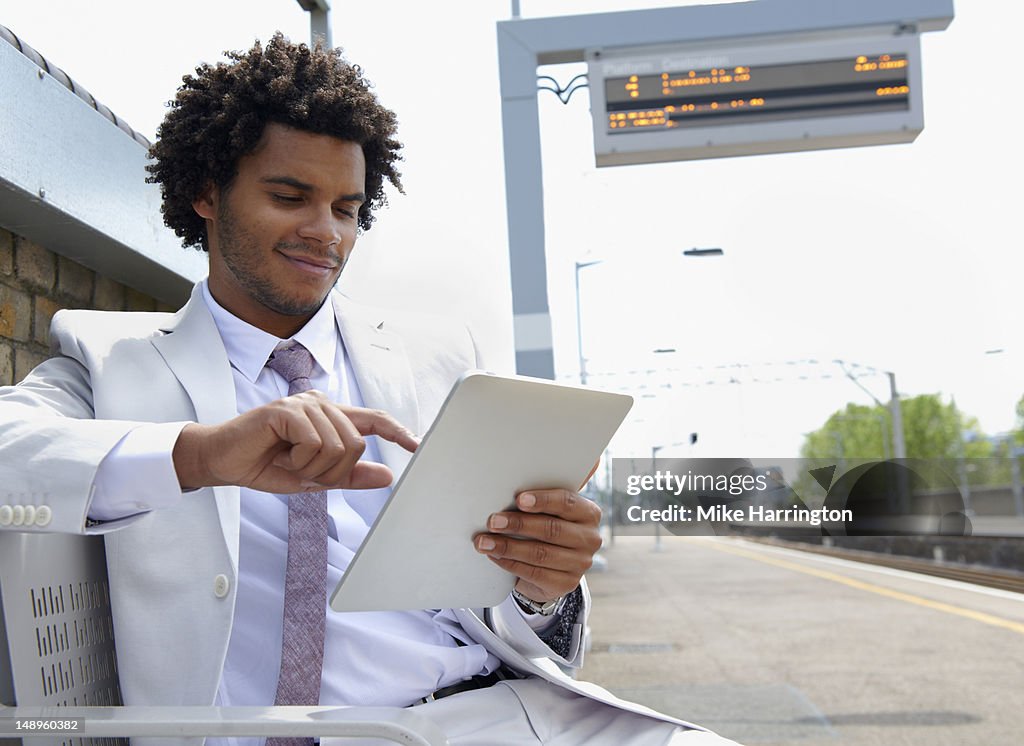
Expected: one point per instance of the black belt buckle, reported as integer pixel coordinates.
(481, 681)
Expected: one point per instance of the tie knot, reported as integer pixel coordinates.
(294, 363)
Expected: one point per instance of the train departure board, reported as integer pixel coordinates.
(786, 96)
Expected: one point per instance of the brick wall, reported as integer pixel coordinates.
(34, 284)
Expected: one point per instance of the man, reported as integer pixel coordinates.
(224, 450)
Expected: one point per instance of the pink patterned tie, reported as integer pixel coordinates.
(305, 582)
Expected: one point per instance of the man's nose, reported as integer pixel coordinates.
(323, 226)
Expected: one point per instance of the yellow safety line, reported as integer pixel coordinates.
(978, 616)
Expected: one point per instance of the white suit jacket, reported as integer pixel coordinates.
(114, 370)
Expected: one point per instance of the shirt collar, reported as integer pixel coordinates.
(249, 347)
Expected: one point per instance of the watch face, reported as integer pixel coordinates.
(549, 608)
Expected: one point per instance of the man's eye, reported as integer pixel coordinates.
(290, 198)
(346, 211)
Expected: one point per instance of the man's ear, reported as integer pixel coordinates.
(205, 203)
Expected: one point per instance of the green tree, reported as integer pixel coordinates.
(1018, 434)
(932, 429)
(857, 431)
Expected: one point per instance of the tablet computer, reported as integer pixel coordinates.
(494, 437)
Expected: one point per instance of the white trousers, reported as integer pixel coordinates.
(527, 712)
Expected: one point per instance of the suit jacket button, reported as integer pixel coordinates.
(18, 515)
(30, 515)
(43, 515)
(221, 586)
(6, 515)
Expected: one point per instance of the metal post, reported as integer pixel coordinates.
(319, 21)
(1018, 490)
(524, 203)
(657, 524)
(899, 445)
(579, 331)
(654, 466)
(965, 483)
(525, 43)
(579, 320)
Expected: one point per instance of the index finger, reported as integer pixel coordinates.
(380, 423)
(561, 503)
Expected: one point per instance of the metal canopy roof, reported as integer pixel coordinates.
(74, 184)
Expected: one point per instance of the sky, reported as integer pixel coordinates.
(902, 258)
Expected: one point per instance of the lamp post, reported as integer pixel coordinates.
(657, 525)
(579, 266)
(579, 320)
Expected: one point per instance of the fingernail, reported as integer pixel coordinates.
(485, 543)
(527, 500)
(310, 484)
(498, 521)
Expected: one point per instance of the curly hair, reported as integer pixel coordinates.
(219, 115)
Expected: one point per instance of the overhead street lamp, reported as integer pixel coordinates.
(579, 319)
(579, 266)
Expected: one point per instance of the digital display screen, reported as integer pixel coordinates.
(741, 94)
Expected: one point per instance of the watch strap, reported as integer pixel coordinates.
(543, 608)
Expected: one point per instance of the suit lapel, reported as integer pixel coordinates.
(382, 371)
(193, 350)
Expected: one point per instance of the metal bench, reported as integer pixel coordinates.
(57, 659)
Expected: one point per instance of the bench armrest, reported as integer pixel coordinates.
(393, 723)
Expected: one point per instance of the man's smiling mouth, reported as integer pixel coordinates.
(313, 265)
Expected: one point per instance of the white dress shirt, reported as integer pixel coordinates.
(370, 658)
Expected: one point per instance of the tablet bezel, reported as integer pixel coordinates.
(419, 552)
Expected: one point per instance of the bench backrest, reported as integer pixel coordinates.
(56, 630)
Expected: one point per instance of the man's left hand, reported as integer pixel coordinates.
(548, 543)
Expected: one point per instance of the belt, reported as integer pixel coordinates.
(481, 681)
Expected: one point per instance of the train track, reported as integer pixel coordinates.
(1003, 579)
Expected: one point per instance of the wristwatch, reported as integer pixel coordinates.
(544, 608)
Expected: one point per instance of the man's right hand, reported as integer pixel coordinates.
(300, 443)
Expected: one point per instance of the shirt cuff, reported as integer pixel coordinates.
(137, 475)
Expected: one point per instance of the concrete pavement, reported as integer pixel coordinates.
(772, 646)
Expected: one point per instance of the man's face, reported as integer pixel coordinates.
(281, 234)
